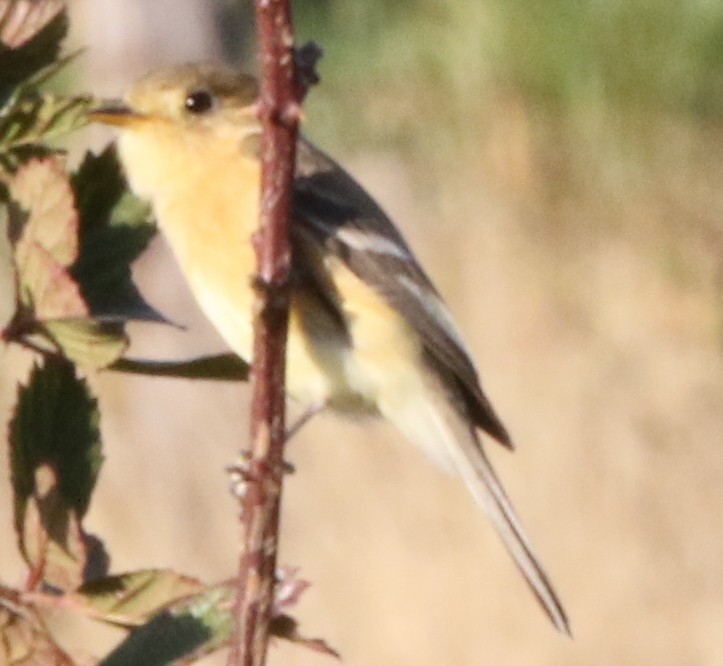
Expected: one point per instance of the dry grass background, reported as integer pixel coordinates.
(584, 266)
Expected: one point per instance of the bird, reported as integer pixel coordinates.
(369, 334)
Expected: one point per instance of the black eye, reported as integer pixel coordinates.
(199, 101)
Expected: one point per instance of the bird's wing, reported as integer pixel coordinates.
(333, 213)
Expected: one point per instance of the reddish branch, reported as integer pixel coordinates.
(279, 109)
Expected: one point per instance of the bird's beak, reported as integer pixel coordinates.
(115, 113)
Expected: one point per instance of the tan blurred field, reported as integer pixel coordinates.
(584, 267)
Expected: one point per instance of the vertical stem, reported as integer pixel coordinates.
(278, 109)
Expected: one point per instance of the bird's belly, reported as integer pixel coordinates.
(318, 354)
(359, 361)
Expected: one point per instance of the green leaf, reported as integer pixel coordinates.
(130, 599)
(55, 457)
(31, 33)
(86, 341)
(115, 229)
(104, 272)
(31, 118)
(223, 367)
(99, 185)
(196, 625)
(201, 623)
(56, 422)
(73, 275)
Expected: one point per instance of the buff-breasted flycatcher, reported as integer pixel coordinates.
(368, 332)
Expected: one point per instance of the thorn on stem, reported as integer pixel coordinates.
(246, 470)
(276, 293)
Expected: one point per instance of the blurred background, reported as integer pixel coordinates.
(558, 167)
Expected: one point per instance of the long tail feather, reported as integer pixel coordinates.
(430, 419)
(485, 487)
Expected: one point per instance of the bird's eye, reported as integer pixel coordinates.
(199, 101)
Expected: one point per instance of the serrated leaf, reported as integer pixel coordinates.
(194, 626)
(130, 599)
(201, 624)
(116, 228)
(24, 639)
(47, 237)
(44, 226)
(99, 184)
(52, 539)
(46, 287)
(32, 118)
(104, 273)
(31, 33)
(55, 457)
(59, 115)
(222, 367)
(43, 192)
(56, 422)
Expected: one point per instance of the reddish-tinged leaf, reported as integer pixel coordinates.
(24, 640)
(42, 189)
(289, 588)
(44, 226)
(52, 539)
(48, 288)
(21, 20)
(286, 627)
(31, 33)
(288, 591)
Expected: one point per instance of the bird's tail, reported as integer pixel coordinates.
(480, 478)
(439, 424)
